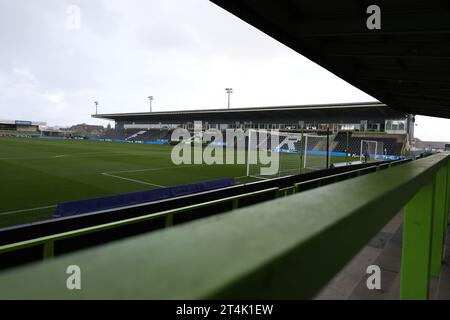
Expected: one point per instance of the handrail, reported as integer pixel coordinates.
(46, 227)
(282, 192)
(285, 248)
(48, 241)
(334, 177)
(287, 191)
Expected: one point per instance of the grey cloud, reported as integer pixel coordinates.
(184, 52)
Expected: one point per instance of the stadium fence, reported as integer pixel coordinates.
(32, 249)
(274, 250)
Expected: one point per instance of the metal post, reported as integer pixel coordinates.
(416, 251)
(151, 100)
(229, 91)
(376, 151)
(48, 250)
(169, 220)
(347, 148)
(302, 150)
(306, 151)
(235, 204)
(438, 222)
(328, 148)
(249, 157)
(447, 204)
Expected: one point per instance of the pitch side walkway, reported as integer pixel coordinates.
(384, 250)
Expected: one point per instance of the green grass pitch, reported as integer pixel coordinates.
(37, 174)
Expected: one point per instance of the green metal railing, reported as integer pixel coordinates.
(289, 247)
(344, 175)
(48, 242)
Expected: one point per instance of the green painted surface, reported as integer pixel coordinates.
(285, 248)
(48, 249)
(448, 194)
(48, 241)
(416, 250)
(439, 228)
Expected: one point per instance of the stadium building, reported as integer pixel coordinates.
(371, 120)
(372, 116)
(7, 126)
(23, 128)
(374, 230)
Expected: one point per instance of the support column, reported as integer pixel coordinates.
(416, 251)
(437, 244)
(48, 249)
(447, 205)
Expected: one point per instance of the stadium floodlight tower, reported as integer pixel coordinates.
(151, 100)
(96, 107)
(229, 91)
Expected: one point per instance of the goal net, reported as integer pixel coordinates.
(283, 147)
(370, 150)
(317, 155)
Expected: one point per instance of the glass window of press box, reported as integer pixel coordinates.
(395, 126)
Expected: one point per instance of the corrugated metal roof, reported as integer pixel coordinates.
(405, 64)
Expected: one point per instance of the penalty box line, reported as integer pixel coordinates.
(27, 210)
(113, 174)
(133, 180)
(155, 169)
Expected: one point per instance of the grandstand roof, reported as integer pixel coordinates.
(331, 112)
(23, 122)
(404, 64)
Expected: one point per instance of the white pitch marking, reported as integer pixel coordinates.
(260, 178)
(64, 155)
(155, 169)
(28, 158)
(27, 210)
(133, 180)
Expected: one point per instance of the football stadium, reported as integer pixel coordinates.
(181, 204)
(136, 155)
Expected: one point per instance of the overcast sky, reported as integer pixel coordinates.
(183, 52)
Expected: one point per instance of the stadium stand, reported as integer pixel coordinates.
(367, 121)
(30, 129)
(136, 135)
(192, 207)
(393, 144)
(150, 135)
(288, 248)
(116, 134)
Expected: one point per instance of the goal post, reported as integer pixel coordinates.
(297, 152)
(317, 151)
(287, 145)
(370, 150)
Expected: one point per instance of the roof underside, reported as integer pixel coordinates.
(325, 112)
(406, 64)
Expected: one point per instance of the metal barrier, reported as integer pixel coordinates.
(287, 191)
(344, 175)
(54, 226)
(48, 242)
(285, 248)
(313, 183)
(48, 245)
